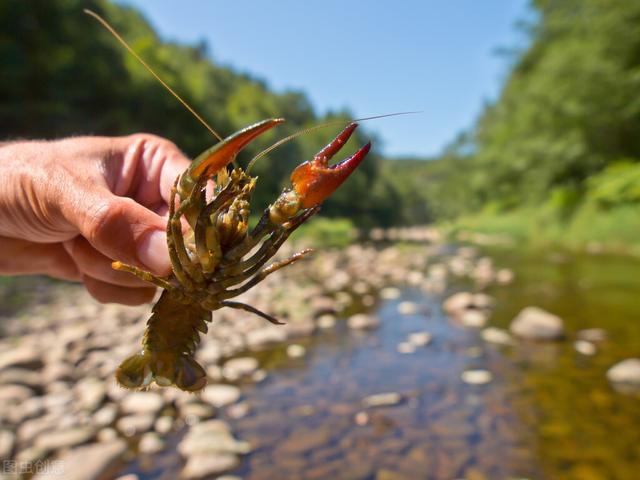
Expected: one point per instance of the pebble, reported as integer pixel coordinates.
(476, 377)
(361, 418)
(131, 425)
(390, 293)
(14, 394)
(197, 410)
(105, 416)
(458, 302)
(21, 376)
(326, 321)
(7, 444)
(239, 367)
(151, 443)
(91, 393)
(407, 308)
(27, 357)
(584, 347)
(534, 323)
(238, 410)
(406, 347)
(260, 338)
(163, 424)
(497, 336)
(419, 339)
(89, 462)
(206, 465)
(59, 439)
(625, 373)
(213, 436)
(473, 318)
(382, 399)
(142, 403)
(362, 321)
(296, 351)
(220, 395)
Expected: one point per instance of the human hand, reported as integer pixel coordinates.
(70, 207)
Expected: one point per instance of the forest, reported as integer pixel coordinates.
(554, 158)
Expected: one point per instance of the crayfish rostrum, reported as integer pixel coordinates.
(217, 258)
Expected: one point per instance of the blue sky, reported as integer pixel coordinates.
(370, 57)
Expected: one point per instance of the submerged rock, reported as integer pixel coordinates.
(361, 321)
(476, 377)
(534, 323)
(585, 348)
(206, 465)
(625, 375)
(221, 395)
(497, 336)
(382, 399)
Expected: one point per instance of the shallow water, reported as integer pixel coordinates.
(548, 412)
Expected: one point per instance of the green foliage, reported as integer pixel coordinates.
(325, 232)
(63, 74)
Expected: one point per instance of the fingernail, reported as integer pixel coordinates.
(153, 253)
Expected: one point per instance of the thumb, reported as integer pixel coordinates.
(124, 230)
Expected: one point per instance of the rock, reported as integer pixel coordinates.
(382, 399)
(238, 410)
(625, 375)
(390, 293)
(88, 462)
(14, 394)
(25, 410)
(7, 443)
(497, 336)
(584, 348)
(91, 393)
(296, 351)
(406, 347)
(131, 425)
(106, 435)
(239, 367)
(361, 321)
(504, 276)
(163, 425)
(326, 321)
(458, 302)
(27, 357)
(206, 465)
(322, 304)
(266, 336)
(142, 403)
(593, 335)
(300, 328)
(220, 395)
(259, 376)
(533, 323)
(21, 376)
(105, 416)
(197, 411)
(407, 308)
(476, 377)
(473, 318)
(419, 339)
(151, 443)
(361, 418)
(59, 439)
(213, 436)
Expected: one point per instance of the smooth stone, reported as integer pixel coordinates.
(382, 399)
(361, 418)
(131, 425)
(476, 377)
(407, 308)
(296, 351)
(88, 462)
(496, 335)
(106, 435)
(59, 439)
(326, 321)
(220, 395)
(163, 424)
(458, 302)
(205, 465)
(211, 436)
(390, 293)
(151, 443)
(473, 318)
(14, 394)
(625, 373)
(584, 347)
(537, 324)
(259, 376)
(419, 339)
(105, 416)
(504, 276)
(7, 444)
(91, 393)
(21, 376)
(593, 335)
(300, 328)
(198, 410)
(361, 321)
(266, 336)
(26, 357)
(239, 367)
(238, 410)
(406, 347)
(142, 402)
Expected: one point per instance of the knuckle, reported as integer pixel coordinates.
(102, 220)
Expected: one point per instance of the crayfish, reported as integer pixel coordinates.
(215, 257)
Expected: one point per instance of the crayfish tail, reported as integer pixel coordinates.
(164, 368)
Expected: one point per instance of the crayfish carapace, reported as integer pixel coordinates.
(214, 257)
(217, 258)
